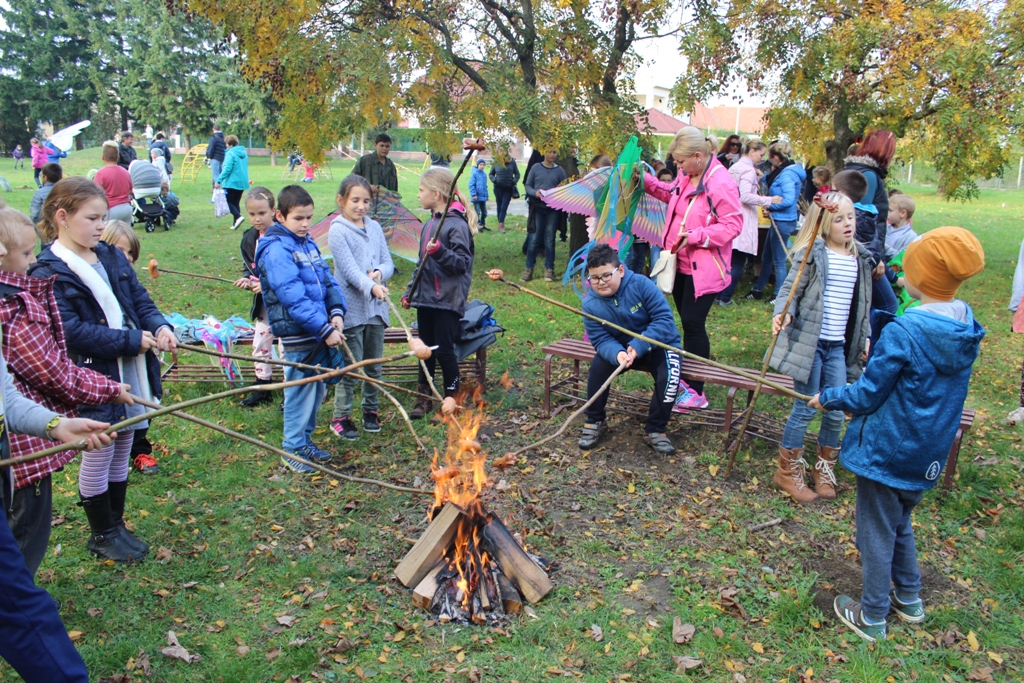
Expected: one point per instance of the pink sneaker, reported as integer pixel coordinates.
(689, 400)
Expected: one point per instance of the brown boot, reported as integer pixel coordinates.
(423, 405)
(824, 473)
(789, 477)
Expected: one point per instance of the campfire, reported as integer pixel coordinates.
(467, 566)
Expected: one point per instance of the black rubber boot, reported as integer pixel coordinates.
(258, 398)
(106, 541)
(423, 405)
(118, 490)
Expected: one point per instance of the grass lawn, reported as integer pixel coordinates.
(639, 539)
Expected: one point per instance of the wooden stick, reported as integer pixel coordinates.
(273, 449)
(300, 366)
(734, 447)
(469, 149)
(568, 421)
(83, 444)
(423, 364)
(155, 270)
(764, 525)
(654, 342)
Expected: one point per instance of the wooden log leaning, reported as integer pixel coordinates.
(423, 595)
(430, 547)
(527, 575)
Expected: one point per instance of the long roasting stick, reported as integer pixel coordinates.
(734, 447)
(83, 444)
(497, 275)
(155, 270)
(278, 451)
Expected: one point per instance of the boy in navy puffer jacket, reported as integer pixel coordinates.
(634, 302)
(906, 409)
(306, 308)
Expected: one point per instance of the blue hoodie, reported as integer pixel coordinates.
(299, 291)
(787, 185)
(638, 305)
(478, 185)
(908, 402)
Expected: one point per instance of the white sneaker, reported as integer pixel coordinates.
(238, 222)
(1015, 416)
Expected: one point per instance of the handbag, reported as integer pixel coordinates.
(663, 272)
(220, 203)
(515, 192)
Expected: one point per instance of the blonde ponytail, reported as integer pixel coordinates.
(690, 140)
(440, 180)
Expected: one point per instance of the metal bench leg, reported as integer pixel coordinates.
(547, 385)
(951, 460)
(576, 381)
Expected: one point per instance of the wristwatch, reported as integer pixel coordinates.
(52, 424)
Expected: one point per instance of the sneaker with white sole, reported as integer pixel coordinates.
(238, 222)
(911, 612)
(1016, 416)
(345, 428)
(313, 452)
(688, 400)
(660, 443)
(848, 611)
(296, 466)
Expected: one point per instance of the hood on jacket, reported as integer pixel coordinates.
(860, 162)
(341, 221)
(276, 232)
(951, 345)
(794, 169)
(38, 287)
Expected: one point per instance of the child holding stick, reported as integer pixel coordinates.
(440, 298)
(362, 266)
(112, 326)
(37, 361)
(259, 205)
(906, 411)
(306, 308)
(821, 338)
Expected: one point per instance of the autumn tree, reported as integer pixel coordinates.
(936, 72)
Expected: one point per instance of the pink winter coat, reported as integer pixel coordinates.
(707, 255)
(742, 171)
(39, 156)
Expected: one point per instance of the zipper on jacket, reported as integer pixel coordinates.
(721, 266)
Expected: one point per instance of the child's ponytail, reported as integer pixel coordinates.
(440, 180)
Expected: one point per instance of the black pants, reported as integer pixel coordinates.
(140, 444)
(662, 365)
(30, 519)
(37, 172)
(502, 197)
(234, 198)
(441, 328)
(693, 314)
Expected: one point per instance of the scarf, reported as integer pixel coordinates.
(110, 306)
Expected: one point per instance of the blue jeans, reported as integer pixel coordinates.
(215, 169)
(301, 404)
(827, 370)
(739, 262)
(543, 238)
(502, 196)
(774, 256)
(885, 538)
(481, 212)
(32, 638)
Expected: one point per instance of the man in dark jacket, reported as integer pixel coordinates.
(161, 144)
(376, 167)
(634, 302)
(215, 149)
(125, 151)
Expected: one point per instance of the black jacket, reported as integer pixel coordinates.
(448, 272)
(125, 155)
(91, 343)
(249, 269)
(505, 177)
(216, 147)
(162, 146)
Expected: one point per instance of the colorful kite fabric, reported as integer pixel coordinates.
(218, 335)
(401, 228)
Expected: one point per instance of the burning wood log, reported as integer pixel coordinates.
(528, 576)
(423, 595)
(430, 548)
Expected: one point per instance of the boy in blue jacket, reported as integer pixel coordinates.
(906, 409)
(634, 302)
(305, 307)
(478, 192)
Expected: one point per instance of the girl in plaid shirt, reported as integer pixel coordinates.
(37, 359)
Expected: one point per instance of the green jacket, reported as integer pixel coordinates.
(376, 173)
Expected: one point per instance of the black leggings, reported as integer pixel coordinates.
(37, 172)
(693, 314)
(440, 327)
(234, 198)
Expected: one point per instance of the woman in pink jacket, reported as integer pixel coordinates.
(39, 158)
(743, 171)
(702, 220)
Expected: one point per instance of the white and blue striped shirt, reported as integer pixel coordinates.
(842, 279)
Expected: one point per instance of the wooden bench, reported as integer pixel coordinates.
(203, 370)
(762, 425)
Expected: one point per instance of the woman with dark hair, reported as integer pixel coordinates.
(872, 160)
(729, 153)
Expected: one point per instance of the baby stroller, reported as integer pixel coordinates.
(145, 199)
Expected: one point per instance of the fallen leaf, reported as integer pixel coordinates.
(972, 640)
(596, 633)
(995, 657)
(983, 674)
(287, 620)
(399, 637)
(713, 469)
(682, 633)
(142, 662)
(684, 663)
(758, 648)
(242, 650)
(164, 554)
(719, 633)
(176, 651)
(460, 657)
(505, 461)
(75, 635)
(94, 611)
(273, 654)
(631, 488)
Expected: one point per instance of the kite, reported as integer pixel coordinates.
(401, 228)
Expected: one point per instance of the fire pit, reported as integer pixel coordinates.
(467, 566)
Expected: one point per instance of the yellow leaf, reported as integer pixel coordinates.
(460, 657)
(809, 673)
(399, 637)
(998, 659)
(631, 488)
(75, 635)
(713, 470)
(758, 648)
(972, 640)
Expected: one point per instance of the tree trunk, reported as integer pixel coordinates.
(843, 137)
(577, 224)
(273, 158)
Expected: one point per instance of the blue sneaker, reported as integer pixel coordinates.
(312, 452)
(295, 465)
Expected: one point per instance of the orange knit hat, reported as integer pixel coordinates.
(939, 261)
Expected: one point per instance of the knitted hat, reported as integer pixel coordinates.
(481, 161)
(939, 261)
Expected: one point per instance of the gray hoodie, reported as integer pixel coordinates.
(356, 252)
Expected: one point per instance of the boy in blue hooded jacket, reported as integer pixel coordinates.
(634, 302)
(906, 409)
(305, 307)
